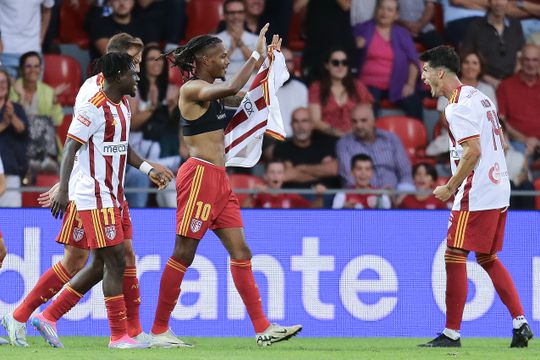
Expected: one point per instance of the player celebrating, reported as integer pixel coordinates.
(72, 234)
(482, 191)
(204, 196)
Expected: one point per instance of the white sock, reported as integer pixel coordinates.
(452, 334)
(518, 321)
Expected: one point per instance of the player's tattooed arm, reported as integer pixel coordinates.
(60, 200)
(234, 101)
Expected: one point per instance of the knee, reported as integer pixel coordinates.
(241, 253)
(74, 261)
(129, 257)
(485, 259)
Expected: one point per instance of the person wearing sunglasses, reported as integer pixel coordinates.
(332, 98)
(389, 61)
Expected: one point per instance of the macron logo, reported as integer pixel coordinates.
(110, 148)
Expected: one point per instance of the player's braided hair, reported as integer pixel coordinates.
(114, 63)
(184, 56)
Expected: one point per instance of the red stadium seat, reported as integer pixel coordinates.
(243, 181)
(296, 42)
(387, 104)
(29, 199)
(430, 103)
(71, 24)
(60, 69)
(203, 17)
(537, 188)
(411, 132)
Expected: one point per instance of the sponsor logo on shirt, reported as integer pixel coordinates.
(111, 148)
(84, 120)
(495, 175)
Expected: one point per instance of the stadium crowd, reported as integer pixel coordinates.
(356, 114)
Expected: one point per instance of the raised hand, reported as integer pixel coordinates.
(276, 44)
(261, 43)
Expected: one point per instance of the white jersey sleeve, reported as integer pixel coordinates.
(86, 122)
(465, 124)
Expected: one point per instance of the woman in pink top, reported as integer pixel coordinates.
(333, 97)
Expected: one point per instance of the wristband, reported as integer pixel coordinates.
(255, 55)
(146, 167)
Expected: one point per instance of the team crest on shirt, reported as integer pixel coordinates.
(110, 232)
(195, 225)
(78, 234)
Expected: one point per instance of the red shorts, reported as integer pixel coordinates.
(479, 231)
(106, 227)
(72, 231)
(205, 200)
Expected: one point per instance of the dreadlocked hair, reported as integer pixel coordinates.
(184, 57)
(114, 63)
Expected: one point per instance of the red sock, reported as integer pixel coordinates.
(132, 296)
(67, 299)
(48, 285)
(503, 283)
(249, 292)
(116, 312)
(169, 291)
(456, 288)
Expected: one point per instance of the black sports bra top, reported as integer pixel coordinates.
(213, 119)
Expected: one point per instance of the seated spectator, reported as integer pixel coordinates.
(416, 16)
(13, 143)
(497, 39)
(424, 176)
(389, 61)
(238, 42)
(309, 156)
(458, 14)
(154, 131)
(362, 11)
(273, 178)
(390, 161)
(44, 114)
(292, 95)
(333, 97)
(362, 172)
(519, 102)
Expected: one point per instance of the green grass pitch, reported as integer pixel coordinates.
(94, 348)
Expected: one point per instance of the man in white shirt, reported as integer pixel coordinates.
(238, 42)
(23, 25)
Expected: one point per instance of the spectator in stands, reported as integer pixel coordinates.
(23, 25)
(327, 25)
(391, 164)
(458, 14)
(362, 11)
(292, 95)
(44, 114)
(362, 172)
(254, 12)
(238, 42)
(389, 61)
(424, 176)
(333, 97)
(529, 13)
(154, 131)
(273, 178)
(416, 16)
(309, 156)
(13, 142)
(518, 98)
(497, 39)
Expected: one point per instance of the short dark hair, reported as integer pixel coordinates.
(227, 2)
(27, 55)
(360, 157)
(115, 63)
(430, 169)
(442, 56)
(122, 42)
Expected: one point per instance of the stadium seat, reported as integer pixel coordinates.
(203, 17)
(429, 103)
(411, 132)
(537, 188)
(387, 104)
(71, 24)
(60, 69)
(296, 42)
(243, 181)
(29, 199)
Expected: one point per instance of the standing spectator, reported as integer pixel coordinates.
(362, 172)
(424, 176)
(239, 42)
(273, 178)
(44, 114)
(391, 164)
(333, 97)
(13, 143)
(328, 27)
(389, 61)
(519, 101)
(458, 14)
(23, 25)
(362, 11)
(497, 39)
(292, 95)
(254, 11)
(416, 16)
(309, 156)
